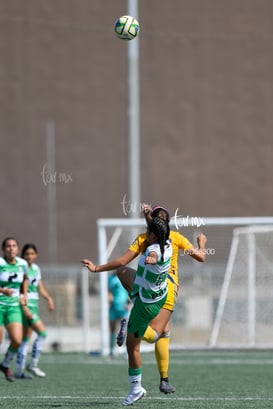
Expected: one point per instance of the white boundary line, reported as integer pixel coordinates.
(189, 398)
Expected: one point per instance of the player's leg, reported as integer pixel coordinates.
(162, 358)
(161, 324)
(22, 352)
(39, 327)
(141, 314)
(157, 326)
(113, 326)
(126, 276)
(162, 345)
(134, 371)
(14, 327)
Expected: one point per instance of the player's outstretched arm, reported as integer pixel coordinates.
(123, 260)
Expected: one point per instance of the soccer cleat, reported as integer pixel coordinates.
(134, 397)
(122, 332)
(8, 374)
(22, 376)
(166, 387)
(36, 371)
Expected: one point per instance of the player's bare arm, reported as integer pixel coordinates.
(44, 293)
(126, 258)
(146, 210)
(199, 253)
(6, 291)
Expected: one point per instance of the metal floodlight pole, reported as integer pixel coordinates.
(49, 173)
(133, 117)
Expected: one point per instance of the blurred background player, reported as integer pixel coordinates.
(31, 319)
(161, 324)
(13, 278)
(119, 306)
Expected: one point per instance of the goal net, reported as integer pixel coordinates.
(244, 315)
(224, 302)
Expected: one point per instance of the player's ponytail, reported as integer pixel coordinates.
(161, 229)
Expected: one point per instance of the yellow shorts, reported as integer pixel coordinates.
(172, 295)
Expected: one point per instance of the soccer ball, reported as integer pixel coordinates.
(127, 27)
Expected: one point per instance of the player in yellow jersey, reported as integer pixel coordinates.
(159, 330)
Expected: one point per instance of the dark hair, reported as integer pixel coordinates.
(28, 246)
(4, 242)
(161, 229)
(156, 210)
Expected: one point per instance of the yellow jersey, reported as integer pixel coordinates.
(178, 241)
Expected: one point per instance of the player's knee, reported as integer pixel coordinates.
(150, 336)
(165, 334)
(120, 272)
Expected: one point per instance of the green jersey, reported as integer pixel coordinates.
(34, 276)
(12, 276)
(150, 282)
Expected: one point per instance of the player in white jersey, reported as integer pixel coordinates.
(148, 295)
(31, 319)
(13, 280)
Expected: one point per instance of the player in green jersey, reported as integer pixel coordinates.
(31, 319)
(148, 294)
(13, 280)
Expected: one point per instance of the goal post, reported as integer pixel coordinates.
(217, 297)
(256, 267)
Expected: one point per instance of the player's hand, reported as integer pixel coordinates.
(88, 263)
(201, 240)
(146, 208)
(150, 260)
(7, 291)
(23, 300)
(50, 304)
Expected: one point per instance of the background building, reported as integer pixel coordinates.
(206, 94)
(206, 70)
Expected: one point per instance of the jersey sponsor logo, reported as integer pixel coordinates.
(12, 278)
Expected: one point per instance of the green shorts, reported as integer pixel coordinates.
(142, 314)
(10, 314)
(35, 316)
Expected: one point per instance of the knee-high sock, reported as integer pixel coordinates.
(9, 355)
(162, 354)
(135, 376)
(37, 348)
(112, 341)
(21, 357)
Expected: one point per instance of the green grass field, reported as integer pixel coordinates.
(203, 380)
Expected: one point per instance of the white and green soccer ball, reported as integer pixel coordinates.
(127, 27)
